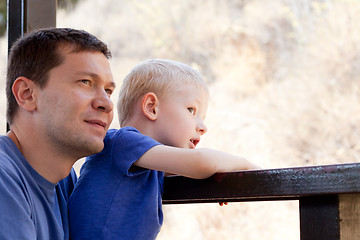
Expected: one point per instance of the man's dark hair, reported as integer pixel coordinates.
(35, 54)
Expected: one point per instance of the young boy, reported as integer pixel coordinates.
(162, 105)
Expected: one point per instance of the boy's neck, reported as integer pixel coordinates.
(144, 127)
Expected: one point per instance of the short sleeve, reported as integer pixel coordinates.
(128, 145)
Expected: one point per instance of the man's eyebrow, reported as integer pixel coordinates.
(86, 73)
(93, 75)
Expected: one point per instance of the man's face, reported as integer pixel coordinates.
(74, 107)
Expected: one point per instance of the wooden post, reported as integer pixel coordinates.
(334, 217)
(349, 212)
(319, 218)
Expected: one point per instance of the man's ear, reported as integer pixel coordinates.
(149, 105)
(23, 90)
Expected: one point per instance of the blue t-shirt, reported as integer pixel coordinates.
(114, 199)
(31, 207)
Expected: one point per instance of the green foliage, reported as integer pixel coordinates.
(3, 11)
(2, 17)
(67, 3)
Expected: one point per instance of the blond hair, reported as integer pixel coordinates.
(159, 76)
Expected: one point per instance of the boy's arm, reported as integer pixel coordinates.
(194, 163)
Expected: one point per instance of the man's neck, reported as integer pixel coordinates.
(47, 164)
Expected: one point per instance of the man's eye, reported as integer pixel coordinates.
(87, 82)
(191, 110)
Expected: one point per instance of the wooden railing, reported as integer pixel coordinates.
(329, 196)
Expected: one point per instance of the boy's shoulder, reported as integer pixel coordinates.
(127, 136)
(127, 139)
(112, 132)
(124, 132)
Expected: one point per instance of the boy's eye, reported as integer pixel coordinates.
(191, 110)
(109, 91)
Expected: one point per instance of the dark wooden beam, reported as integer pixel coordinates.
(262, 185)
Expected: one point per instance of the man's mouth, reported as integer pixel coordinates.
(97, 123)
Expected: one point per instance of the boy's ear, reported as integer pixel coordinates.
(23, 90)
(149, 106)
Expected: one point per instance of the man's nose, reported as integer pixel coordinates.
(103, 102)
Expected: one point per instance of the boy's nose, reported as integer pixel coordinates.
(201, 128)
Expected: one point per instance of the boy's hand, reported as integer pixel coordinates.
(223, 203)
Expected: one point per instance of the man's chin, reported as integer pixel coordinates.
(92, 148)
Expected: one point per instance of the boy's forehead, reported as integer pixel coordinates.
(196, 84)
(192, 91)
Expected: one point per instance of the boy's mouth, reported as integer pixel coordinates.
(194, 141)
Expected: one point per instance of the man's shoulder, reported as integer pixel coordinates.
(6, 144)
(15, 171)
(8, 158)
(13, 183)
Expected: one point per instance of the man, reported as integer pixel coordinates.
(59, 84)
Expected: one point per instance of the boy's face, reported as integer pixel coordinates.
(74, 106)
(181, 115)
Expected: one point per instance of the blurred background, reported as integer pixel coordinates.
(284, 78)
